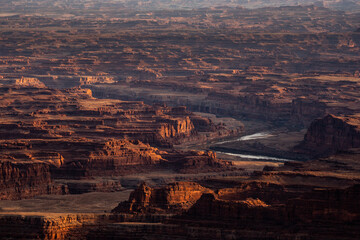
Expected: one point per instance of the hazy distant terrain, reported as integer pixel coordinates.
(72, 6)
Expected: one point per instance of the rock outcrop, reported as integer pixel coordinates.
(24, 180)
(321, 214)
(196, 161)
(237, 212)
(45, 226)
(29, 82)
(331, 134)
(108, 158)
(175, 197)
(250, 208)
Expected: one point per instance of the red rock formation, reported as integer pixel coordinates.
(75, 135)
(46, 113)
(24, 180)
(268, 192)
(45, 226)
(176, 128)
(331, 134)
(199, 213)
(175, 197)
(124, 152)
(198, 161)
(233, 212)
(317, 211)
(290, 212)
(29, 82)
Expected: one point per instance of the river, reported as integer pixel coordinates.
(254, 136)
(259, 135)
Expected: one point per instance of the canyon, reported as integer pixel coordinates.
(68, 134)
(179, 119)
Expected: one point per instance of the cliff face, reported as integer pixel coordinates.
(23, 180)
(197, 161)
(303, 111)
(52, 227)
(236, 212)
(29, 82)
(331, 134)
(174, 197)
(268, 192)
(176, 128)
(113, 155)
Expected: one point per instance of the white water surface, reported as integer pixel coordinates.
(259, 135)
(258, 157)
(254, 136)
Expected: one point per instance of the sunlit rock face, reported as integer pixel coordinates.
(176, 197)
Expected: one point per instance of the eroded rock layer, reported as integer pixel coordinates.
(46, 133)
(317, 199)
(33, 113)
(292, 214)
(332, 134)
(19, 180)
(171, 198)
(281, 64)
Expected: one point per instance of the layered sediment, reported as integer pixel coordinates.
(331, 134)
(172, 198)
(47, 134)
(282, 67)
(24, 180)
(250, 212)
(47, 227)
(313, 199)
